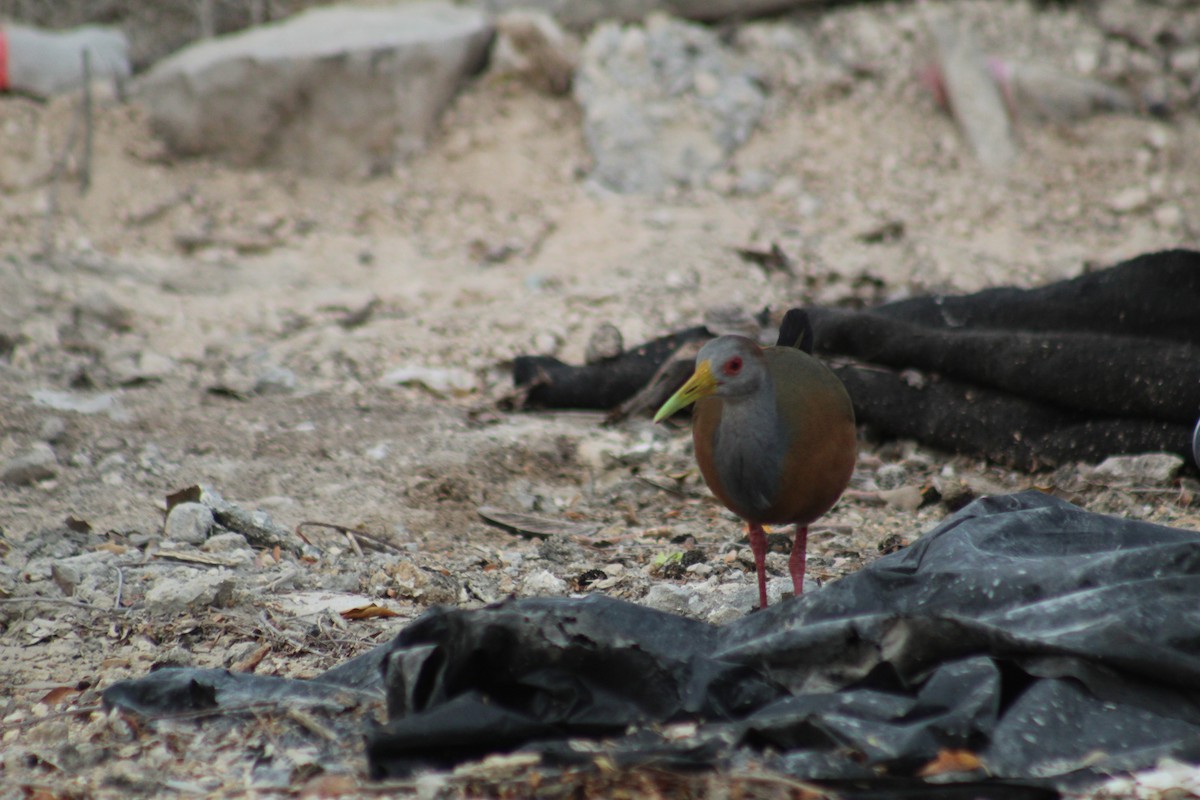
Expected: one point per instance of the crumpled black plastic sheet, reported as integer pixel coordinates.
(1056, 644)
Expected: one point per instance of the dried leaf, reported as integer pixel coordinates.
(367, 612)
(951, 761)
(78, 525)
(58, 694)
(253, 660)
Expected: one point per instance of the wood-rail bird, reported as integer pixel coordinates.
(774, 435)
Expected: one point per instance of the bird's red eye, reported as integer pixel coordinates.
(733, 366)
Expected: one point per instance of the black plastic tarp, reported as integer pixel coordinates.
(1054, 644)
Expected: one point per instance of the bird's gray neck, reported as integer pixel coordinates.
(751, 443)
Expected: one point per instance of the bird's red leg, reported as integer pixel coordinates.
(758, 546)
(796, 559)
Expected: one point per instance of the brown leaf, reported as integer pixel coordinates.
(78, 525)
(58, 694)
(367, 612)
(253, 660)
(951, 761)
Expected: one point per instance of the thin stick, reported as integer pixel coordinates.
(85, 162)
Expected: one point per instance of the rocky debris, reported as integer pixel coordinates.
(716, 601)
(333, 91)
(532, 47)
(80, 402)
(1148, 469)
(664, 104)
(190, 523)
(891, 476)
(38, 464)
(543, 583)
(195, 593)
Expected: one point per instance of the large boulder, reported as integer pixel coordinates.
(332, 91)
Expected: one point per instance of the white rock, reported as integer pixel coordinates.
(1129, 200)
(543, 583)
(334, 91)
(189, 523)
(207, 589)
(1146, 469)
(532, 47)
(435, 379)
(38, 464)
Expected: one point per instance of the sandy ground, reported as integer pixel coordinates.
(490, 245)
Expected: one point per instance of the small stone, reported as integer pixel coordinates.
(543, 583)
(1143, 470)
(52, 430)
(531, 46)
(1168, 217)
(223, 542)
(274, 379)
(39, 464)
(753, 182)
(189, 523)
(606, 342)
(1129, 200)
(437, 380)
(208, 589)
(668, 597)
(891, 476)
(904, 498)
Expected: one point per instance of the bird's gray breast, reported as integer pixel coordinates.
(749, 449)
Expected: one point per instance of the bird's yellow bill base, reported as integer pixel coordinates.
(701, 384)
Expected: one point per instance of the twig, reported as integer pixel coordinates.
(353, 534)
(85, 161)
(120, 587)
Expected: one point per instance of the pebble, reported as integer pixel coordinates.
(543, 583)
(1146, 470)
(207, 589)
(38, 464)
(52, 430)
(891, 476)
(904, 498)
(190, 523)
(606, 342)
(1129, 200)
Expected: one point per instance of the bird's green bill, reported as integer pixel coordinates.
(701, 384)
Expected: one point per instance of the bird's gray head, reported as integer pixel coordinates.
(735, 363)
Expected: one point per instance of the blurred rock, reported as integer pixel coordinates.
(606, 342)
(43, 62)
(891, 476)
(1148, 469)
(333, 91)
(52, 430)
(171, 595)
(435, 379)
(664, 104)
(38, 464)
(190, 523)
(532, 47)
(543, 583)
(904, 498)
